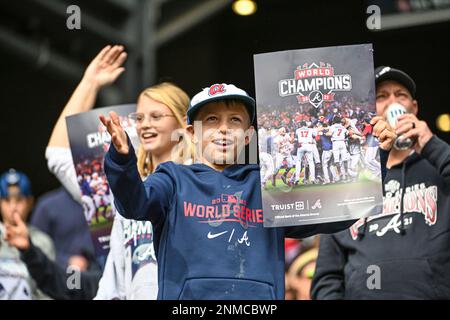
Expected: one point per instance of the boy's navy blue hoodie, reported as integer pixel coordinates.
(209, 237)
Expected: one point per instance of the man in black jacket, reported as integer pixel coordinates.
(404, 252)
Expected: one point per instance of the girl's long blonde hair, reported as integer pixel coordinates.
(178, 102)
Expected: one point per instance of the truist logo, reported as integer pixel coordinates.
(314, 83)
(216, 88)
(226, 208)
(416, 199)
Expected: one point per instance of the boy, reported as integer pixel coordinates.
(208, 221)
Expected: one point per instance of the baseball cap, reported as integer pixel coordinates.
(302, 260)
(220, 91)
(384, 73)
(14, 178)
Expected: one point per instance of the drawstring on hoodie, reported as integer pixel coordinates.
(402, 188)
(362, 231)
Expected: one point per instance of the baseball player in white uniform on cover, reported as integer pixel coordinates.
(354, 145)
(305, 138)
(283, 156)
(327, 152)
(338, 135)
(265, 159)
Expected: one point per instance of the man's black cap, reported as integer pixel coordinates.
(384, 73)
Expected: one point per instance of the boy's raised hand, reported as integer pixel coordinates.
(118, 135)
(106, 66)
(17, 235)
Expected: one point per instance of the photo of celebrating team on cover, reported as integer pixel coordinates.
(330, 145)
(318, 155)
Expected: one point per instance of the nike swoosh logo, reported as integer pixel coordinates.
(212, 236)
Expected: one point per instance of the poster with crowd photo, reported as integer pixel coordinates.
(319, 160)
(89, 142)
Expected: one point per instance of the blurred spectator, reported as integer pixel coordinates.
(290, 293)
(61, 217)
(300, 274)
(292, 249)
(55, 281)
(16, 202)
